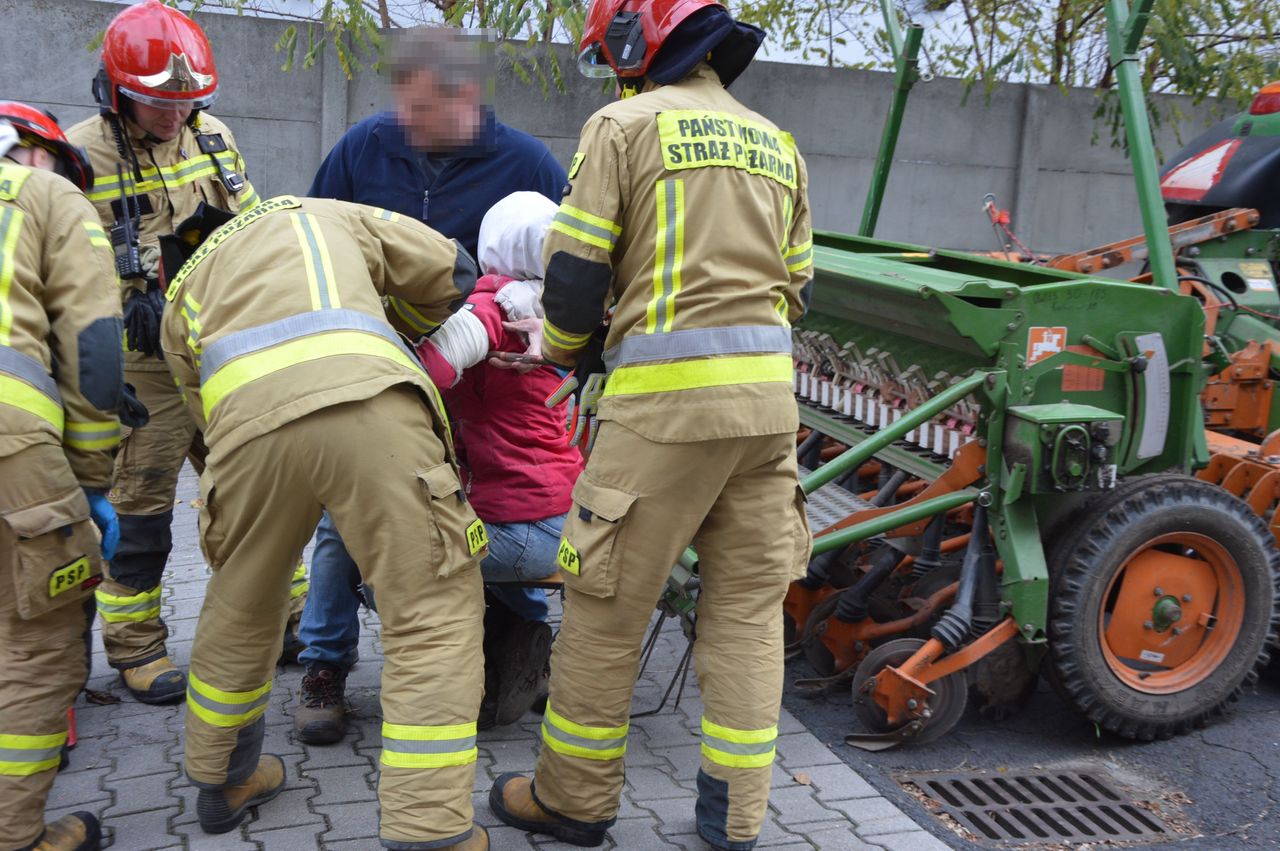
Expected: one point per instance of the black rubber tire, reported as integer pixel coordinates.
(1082, 563)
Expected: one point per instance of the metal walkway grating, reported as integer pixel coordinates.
(830, 504)
(1017, 807)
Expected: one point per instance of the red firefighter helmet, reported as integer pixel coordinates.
(156, 55)
(40, 128)
(622, 36)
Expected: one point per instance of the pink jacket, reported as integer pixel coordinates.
(517, 464)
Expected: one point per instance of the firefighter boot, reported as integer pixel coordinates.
(513, 801)
(76, 832)
(221, 810)
(321, 718)
(156, 682)
(477, 841)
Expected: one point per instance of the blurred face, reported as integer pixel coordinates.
(163, 123)
(437, 117)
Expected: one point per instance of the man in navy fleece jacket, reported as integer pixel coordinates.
(443, 158)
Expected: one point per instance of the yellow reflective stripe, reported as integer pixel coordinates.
(693, 374)
(10, 229)
(97, 236)
(21, 395)
(573, 739)
(738, 748)
(411, 316)
(153, 178)
(388, 215)
(668, 258)
(586, 227)
(428, 746)
(22, 756)
(748, 737)
(226, 708)
(582, 236)
(248, 197)
(799, 256)
(563, 339)
(298, 584)
(91, 435)
(591, 219)
(135, 608)
(243, 370)
(788, 210)
(316, 261)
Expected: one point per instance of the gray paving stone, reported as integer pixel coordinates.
(861, 810)
(803, 750)
(198, 840)
(875, 828)
(140, 794)
(916, 840)
(796, 805)
(340, 786)
(287, 810)
(832, 836)
(650, 784)
(137, 761)
(288, 839)
(504, 837)
(638, 833)
(142, 831)
(350, 821)
(80, 786)
(837, 783)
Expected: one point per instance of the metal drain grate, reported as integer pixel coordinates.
(1038, 806)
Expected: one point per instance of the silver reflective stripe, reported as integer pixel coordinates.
(549, 729)
(429, 745)
(227, 709)
(218, 353)
(699, 342)
(30, 370)
(30, 754)
(739, 748)
(127, 608)
(671, 237)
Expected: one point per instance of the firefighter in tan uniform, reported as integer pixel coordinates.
(689, 214)
(157, 156)
(61, 383)
(310, 401)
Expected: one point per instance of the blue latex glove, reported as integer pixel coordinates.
(104, 517)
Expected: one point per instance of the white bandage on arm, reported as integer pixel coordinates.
(462, 341)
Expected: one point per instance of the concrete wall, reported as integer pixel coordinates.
(1033, 147)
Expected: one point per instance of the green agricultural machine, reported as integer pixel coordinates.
(1000, 460)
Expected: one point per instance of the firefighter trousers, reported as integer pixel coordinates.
(146, 483)
(637, 506)
(45, 657)
(381, 471)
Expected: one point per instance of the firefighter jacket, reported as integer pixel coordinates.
(61, 371)
(283, 311)
(171, 180)
(690, 214)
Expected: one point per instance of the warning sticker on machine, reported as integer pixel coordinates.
(1151, 656)
(1045, 340)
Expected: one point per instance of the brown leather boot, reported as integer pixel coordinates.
(477, 841)
(221, 810)
(511, 800)
(76, 832)
(155, 682)
(321, 716)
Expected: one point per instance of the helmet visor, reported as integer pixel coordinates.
(591, 63)
(171, 103)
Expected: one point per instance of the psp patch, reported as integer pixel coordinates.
(477, 537)
(576, 164)
(69, 576)
(567, 558)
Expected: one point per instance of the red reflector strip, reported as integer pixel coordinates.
(1193, 179)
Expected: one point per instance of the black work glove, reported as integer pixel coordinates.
(132, 412)
(142, 312)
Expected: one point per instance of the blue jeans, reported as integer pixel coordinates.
(330, 625)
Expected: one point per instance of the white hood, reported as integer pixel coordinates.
(511, 236)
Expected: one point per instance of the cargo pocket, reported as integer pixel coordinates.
(458, 537)
(212, 536)
(803, 535)
(591, 545)
(57, 559)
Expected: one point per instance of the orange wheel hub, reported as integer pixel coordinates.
(1171, 613)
